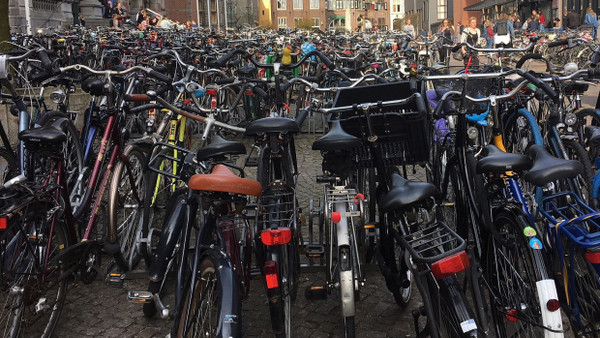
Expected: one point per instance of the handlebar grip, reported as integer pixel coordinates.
(558, 43)
(223, 60)
(327, 61)
(540, 84)
(46, 63)
(593, 73)
(160, 76)
(260, 92)
(136, 98)
(301, 117)
(457, 47)
(39, 77)
(221, 81)
(437, 113)
(144, 107)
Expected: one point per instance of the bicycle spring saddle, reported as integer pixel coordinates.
(547, 168)
(404, 193)
(336, 139)
(42, 137)
(219, 147)
(497, 161)
(272, 125)
(222, 179)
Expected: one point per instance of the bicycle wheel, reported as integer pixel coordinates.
(395, 264)
(125, 204)
(583, 182)
(8, 166)
(587, 304)
(32, 293)
(212, 306)
(511, 272)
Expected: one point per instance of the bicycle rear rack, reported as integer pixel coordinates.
(567, 213)
(432, 243)
(277, 208)
(162, 156)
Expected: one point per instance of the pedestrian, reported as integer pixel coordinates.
(141, 15)
(81, 20)
(572, 21)
(517, 24)
(489, 33)
(447, 31)
(542, 21)
(533, 25)
(592, 19)
(470, 35)
(409, 29)
(503, 31)
(117, 16)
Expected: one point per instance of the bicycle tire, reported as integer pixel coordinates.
(8, 166)
(218, 276)
(398, 279)
(124, 212)
(24, 271)
(349, 327)
(575, 151)
(511, 272)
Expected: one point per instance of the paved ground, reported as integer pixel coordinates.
(101, 310)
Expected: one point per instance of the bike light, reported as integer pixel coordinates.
(3, 223)
(593, 257)
(271, 275)
(58, 96)
(570, 119)
(553, 305)
(472, 133)
(511, 315)
(450, 265)
(211, 92)
(279, 236)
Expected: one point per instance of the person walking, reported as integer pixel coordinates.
(409, 29)
(489, 33)
(542, 21)
(592, 19)
(534, 24)
(572, 20)
(470, 35)
(503, 31)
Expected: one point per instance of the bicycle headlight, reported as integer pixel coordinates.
(570, 119)
(58, 96)
(472, 133)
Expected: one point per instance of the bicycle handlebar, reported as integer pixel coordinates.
(223, 60)
(493, 50)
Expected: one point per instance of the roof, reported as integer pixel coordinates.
(486, 4)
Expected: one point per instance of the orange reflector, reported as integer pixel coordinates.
(317, 287)
(450, 265)
(3, 223)
(593, 257)
(512, 315)
(279, 236)
(115, 275)
(271, 275)
(553, 305)
(369, 226)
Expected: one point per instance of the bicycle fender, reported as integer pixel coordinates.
(174, 223)
(514, 209)
(230, 319)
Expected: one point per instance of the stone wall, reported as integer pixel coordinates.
(44, 14)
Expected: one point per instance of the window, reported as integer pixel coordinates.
(314, 4)
(281, 4)
(297, 4)
(282, 22)
(339, 4)
(317, 22)
(297, 21)
(442, 9)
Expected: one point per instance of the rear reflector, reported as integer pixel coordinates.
(279, 236)
(593, 257)
(3, 223)
(271, 275)
(450, 265)
(512, 314)
(553, 305)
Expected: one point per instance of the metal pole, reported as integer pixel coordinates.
(218, 17)
(28, 16)
(208, 12)
(226, 17)
(198, 12)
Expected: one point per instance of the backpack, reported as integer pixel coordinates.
(501, 28)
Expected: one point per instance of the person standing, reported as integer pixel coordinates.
(470, 35)
(117, 16)
(447, 31)
(542, 21)
(489, 33)
(517, 24)
(409, 29)
(572, 21)
(534, 24)
(592, 19)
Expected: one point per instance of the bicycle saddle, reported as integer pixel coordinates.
(497, 162)
(547, 168)
(222, 179)
(336, 139)
(93, 86)
(161, 68)
(47, 135)
(219, 147)
(405, 192)
(272, 125)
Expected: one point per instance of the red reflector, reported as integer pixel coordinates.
(450, 265)
(248, 93)
(593, 257)
(336, 217)
(553, 305)
(213, 102)
(187, 101)
(3, 223)
(211, 92)
(414, 65)
(512, 315)
(271, 275)
(279, 236)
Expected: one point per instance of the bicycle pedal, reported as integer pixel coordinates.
(315, 251)
(140, 296)
(115, 279)
(251, 161)
(316, 292)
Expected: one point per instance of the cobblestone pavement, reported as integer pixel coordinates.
(102, 310)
